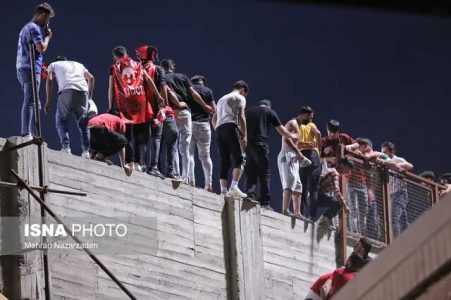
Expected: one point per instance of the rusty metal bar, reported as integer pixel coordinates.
(34, 141)
(76, 239)
(387, 206)
(41, 189)
(435, 195)
(343, 228)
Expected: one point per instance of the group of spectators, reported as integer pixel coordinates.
(157, 118)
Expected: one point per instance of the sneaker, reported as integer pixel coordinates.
(185, 181)
(267, 207)
(305, 162)
(66, 150)
(326, 222)
(235, 192)
(155, 172)
(27, 137)
(86, 155)
(140, 168)
(174, 177)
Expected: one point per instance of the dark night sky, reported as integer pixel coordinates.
(385, 75)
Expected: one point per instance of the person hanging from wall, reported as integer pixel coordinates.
(75, 87)
(230, 124)
(445, 179)
(201, 133)
(107, 137)
(147, 56)
(259, 119)
(38, 33)
(181, 85)
(128, 83)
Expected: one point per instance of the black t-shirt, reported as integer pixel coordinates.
(197, 113)
(180, 85)
(258, 121)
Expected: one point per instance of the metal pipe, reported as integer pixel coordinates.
(39, 189)
(45, 207)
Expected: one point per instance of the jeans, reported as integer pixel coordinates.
(331, 204)
(155, 142)
(27, 113)
(310, 179)
(257, 169)
(201, 137)
(138, 141)
(170, 136)
(106, 142)
(399, 200)
(72, 102)
(358, 201)
(184, 124)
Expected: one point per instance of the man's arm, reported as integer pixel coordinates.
(48, 92)
(285, 133)
(317, 134)
(153, 87)
(199, 100)
(243, 129)
(128, 170)
(174, 100)
(41, 47)
(338, 194)
(110, 92)
(352, 147)
(90, 79)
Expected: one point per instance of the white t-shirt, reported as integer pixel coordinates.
(228, 108)
(69, 75)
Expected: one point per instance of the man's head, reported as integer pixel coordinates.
(344, 166)
(265, 103)
(144, 53)
(388, 148)
(445, 178)
(355, 262)
(119, 52)
(43, 13)
(114, 111)
(242, 87)
(198, 79)
(168, 65)
(61, 58)
(429, 175)
(305, 115)
(333, 128)
(365, 145)
(363, 247)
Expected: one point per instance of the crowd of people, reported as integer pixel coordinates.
(157, 118)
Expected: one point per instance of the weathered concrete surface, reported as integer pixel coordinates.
(205, 248)
(418, 258)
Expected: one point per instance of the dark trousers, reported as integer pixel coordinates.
(230, 152)
(155, 142)
(137, 149)
(105, 141)
(310, 179)
(170, 135)
(257, 170)
(330, 203)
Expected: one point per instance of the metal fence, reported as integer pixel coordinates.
(382, 202)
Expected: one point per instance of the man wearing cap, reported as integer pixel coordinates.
(259, 119)
(201, 137)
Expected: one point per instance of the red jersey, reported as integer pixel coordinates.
(316, 287)
(111, 122)
(150, 68)
(129, 91)
(340, 277)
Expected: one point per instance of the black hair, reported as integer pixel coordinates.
(305, 110)
(61, 58)
(427, 174)
(356, 261)
(366, 245)
(389, 145)
(364, 142)
(241, 84)
(119, 51)
(44, 8)
(265, 102)
(445, 178)
(167, 63)
(345, 162)
(333, 126)
(114, 111)
(198, 78)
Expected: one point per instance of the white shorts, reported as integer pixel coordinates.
(289, 171)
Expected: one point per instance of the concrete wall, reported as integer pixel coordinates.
(206, 247)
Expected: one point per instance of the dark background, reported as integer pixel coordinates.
(384, 74)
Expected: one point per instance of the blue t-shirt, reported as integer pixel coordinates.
(31, 32)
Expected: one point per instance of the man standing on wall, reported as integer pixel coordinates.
(75, 87)
(309, 143)
(180, 84)
(230, 122)
(35, 32)
(259, 119)
(201, 133)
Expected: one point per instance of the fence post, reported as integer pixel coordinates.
(343, 232)
(387, 206)
(435, 195)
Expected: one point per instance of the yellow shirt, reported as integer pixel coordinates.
(307, 135)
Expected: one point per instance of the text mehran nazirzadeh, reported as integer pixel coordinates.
(86, 230)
